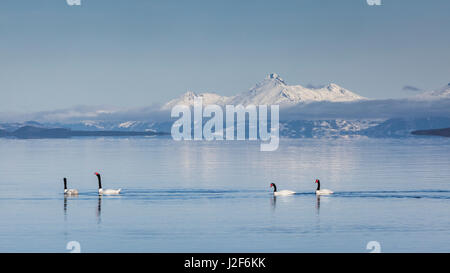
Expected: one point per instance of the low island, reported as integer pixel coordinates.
(29, 132)
(445, 132)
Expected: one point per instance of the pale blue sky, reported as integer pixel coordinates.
(136, 53)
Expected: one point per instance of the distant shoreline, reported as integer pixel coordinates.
(31, 132)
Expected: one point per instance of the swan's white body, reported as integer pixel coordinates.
(108, 191)
(101, 191)
(280, 193)
(324, 192)
(71, 192)
(283, 193)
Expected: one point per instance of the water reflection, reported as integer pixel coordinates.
(317, 204)
(66, 197)
(65, 205)
(273, 202)
(99, 209)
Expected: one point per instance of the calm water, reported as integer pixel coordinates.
(215, 197)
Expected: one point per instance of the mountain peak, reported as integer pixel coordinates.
(273, 76)
(189, 97)
(276, 77)
(190, 94)
(333, 87)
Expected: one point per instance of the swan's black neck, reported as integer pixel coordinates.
(318, 185)
(99, 181)
(274, 187)
(65, 183)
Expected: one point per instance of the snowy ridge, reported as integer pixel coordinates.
(441, 93)
(273, 90)
(188, 99)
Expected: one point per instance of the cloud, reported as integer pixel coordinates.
(79, 113)
(364, 109)
(411, 88)
(368, 109)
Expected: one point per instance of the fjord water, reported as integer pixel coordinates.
(215, 196)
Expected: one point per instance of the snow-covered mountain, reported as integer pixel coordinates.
(272, 90)
(441, 93)
(327, 111)
(188, 99)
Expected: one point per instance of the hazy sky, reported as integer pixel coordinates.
(137, 53)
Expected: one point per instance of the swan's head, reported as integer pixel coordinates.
(272, 185)
(317, 181)
(97, 174)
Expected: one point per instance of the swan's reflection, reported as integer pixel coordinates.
(65, 205)
(99, 209)
(66, 197)
(318, 203)
(273, 202)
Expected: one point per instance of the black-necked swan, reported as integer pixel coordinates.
(102, 191)
(323, 191)
(280, 193)
(69, 191)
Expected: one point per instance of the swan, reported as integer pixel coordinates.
(69, 191)
(322, 192)
(105, 192)
(280, 193)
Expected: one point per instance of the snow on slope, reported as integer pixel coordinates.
(441, 93)
(188, 99)
(273, 90)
